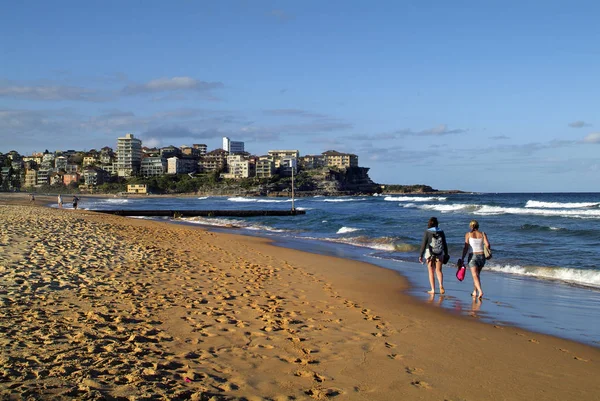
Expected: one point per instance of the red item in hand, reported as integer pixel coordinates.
(460, 273)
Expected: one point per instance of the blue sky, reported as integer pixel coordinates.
(493, 96)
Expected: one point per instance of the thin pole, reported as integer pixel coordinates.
(293, 208)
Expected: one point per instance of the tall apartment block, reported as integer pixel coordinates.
(232, 146)
(129, 156)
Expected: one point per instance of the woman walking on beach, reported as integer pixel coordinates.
(475, 240)
(60, 201)
(435, 250)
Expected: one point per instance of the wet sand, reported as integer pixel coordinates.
(106, 307)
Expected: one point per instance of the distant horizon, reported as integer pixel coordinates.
(495, 96)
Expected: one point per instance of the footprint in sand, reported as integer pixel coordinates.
(580, 359)
(390, 345)
(533, 340)
(420, 384)
(413, 371)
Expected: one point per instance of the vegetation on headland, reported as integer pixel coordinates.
(324, 181)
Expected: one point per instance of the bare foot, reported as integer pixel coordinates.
(480, 295)
(431, 292)
(474, 293)
(442, 290)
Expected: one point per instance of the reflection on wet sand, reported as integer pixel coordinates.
(475, 307)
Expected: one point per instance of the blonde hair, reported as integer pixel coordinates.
(474, 225)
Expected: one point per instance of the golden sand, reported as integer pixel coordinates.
(100, 307)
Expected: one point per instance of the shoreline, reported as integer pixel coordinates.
(318, 325)
(497, 312)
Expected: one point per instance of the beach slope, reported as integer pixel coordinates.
(107, 307)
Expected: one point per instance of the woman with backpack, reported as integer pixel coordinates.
(476, 243)
(435, 250)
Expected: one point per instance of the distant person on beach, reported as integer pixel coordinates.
(435, 250)
(475, 240)
(75, 201)
(31, 198)
(59, 201)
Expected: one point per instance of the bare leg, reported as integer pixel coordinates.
(431, 278)
(476, 282)
(440, 275)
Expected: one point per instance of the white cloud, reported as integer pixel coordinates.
(54, 93)
(594, 137)
(172, 84)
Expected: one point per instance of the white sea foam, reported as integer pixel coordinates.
(274, 200)
(116, 200)
(450, 208)
(230, 223)
(241, 199)
(414, 198)
(359, 241)
(560, 205)
(485, 210)
(590, 278)
(203, 197)
(345, 230)
(581, 214)
(344, 200)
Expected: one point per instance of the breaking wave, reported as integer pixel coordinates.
(344, 200)
(345, 230)
(588, 278)
(414, 198)
(560, 205)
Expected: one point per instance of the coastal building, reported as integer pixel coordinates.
(106, 155)
(30, 178)
(337, 159)
(283, 153)
(176, 165)
(60, 163)
(90, 160)
(287, 165)
(202, 148)
(56, 178)
(265, 167)
(239, 167)
(215, 160)
(232, 146)
(71, 178)
(137, 189)
(190, 151)
(129, 156)
(43, 176)
(310, 162)
(94, 176)
(170, 151)
(153, 166)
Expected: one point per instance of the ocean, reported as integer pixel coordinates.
(544, 275)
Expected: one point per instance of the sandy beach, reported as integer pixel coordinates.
(100, 307)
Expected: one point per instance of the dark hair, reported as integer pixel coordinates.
(433, 222)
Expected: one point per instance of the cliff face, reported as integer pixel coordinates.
(329, 182)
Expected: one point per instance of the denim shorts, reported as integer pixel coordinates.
(477, 260)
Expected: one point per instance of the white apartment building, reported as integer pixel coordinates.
(287, 164)
(232, 146)
(153, 166)
(176, 165)
(239, 167)
(265, 167)
(129, 156)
